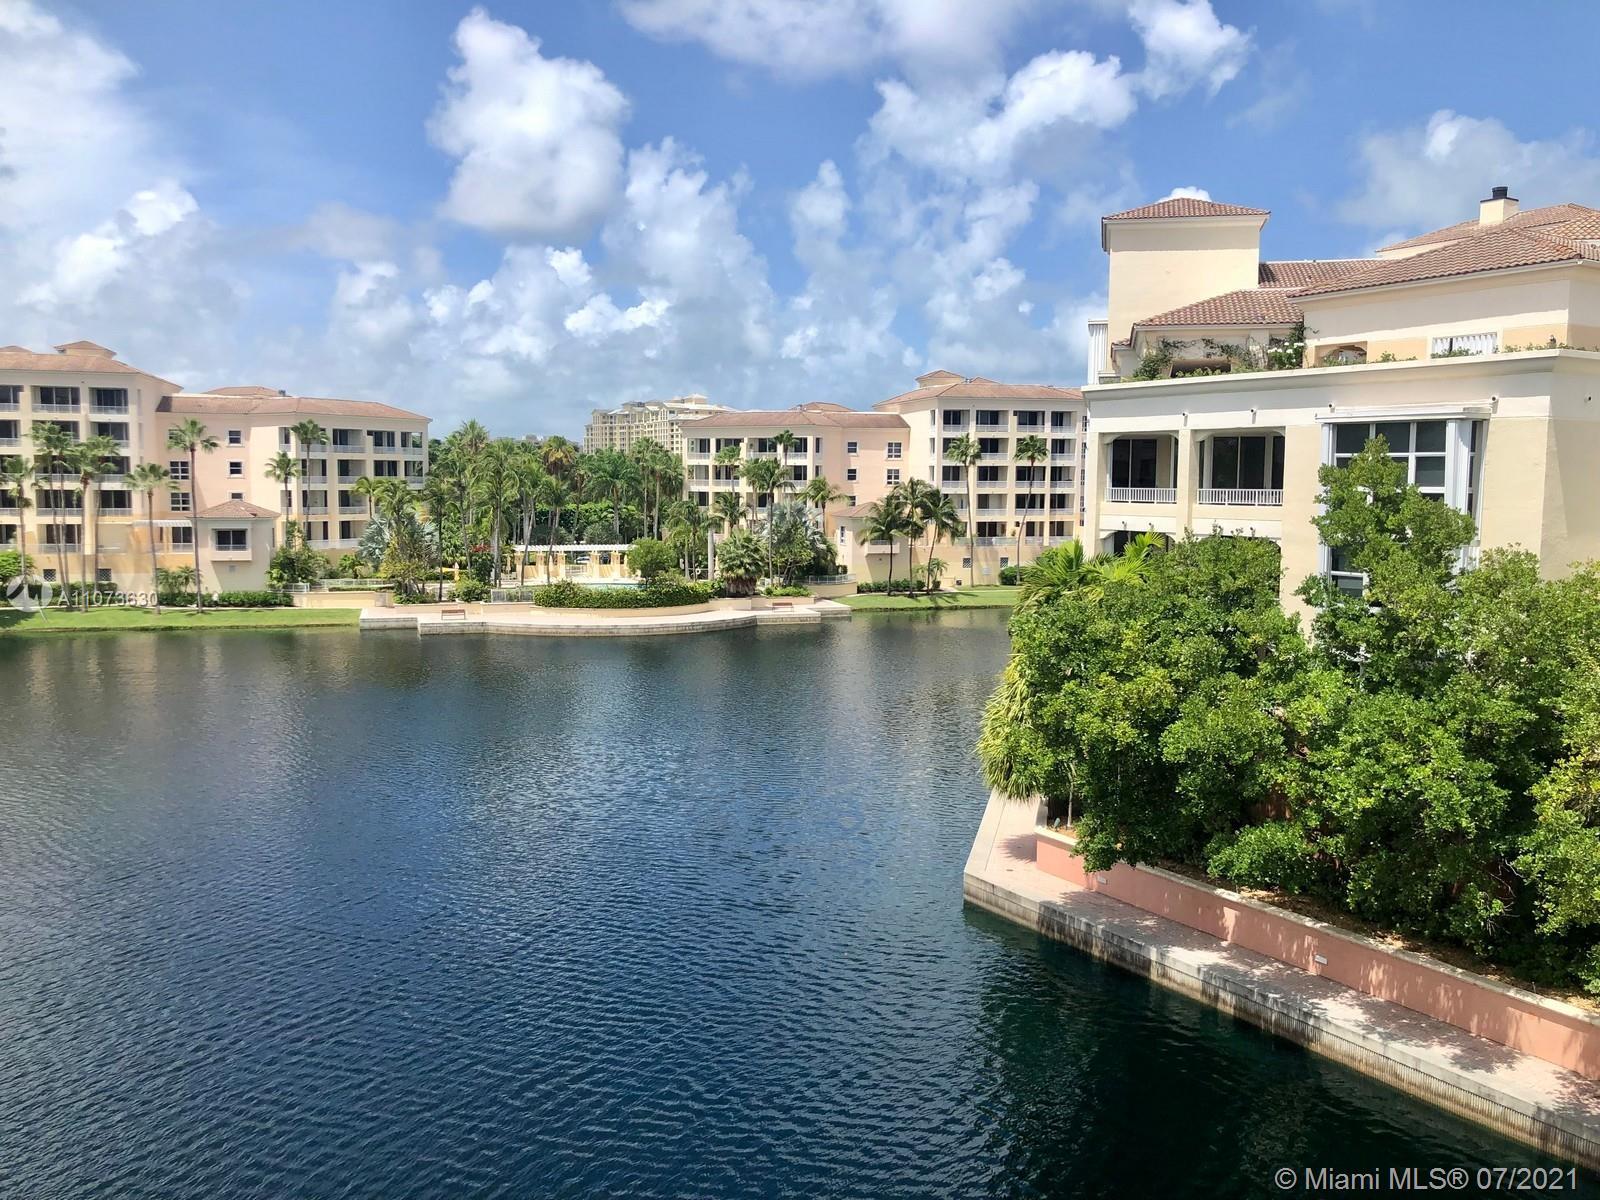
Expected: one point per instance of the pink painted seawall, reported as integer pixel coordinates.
(1547, 1029)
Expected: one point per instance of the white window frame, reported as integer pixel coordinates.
(243, 536)
(894, 450)
(235, 468)
(178, 468)
(852, 447)
(891, 476)
(235, 437)
(849, 474)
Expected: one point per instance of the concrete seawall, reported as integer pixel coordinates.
(1518, 1094)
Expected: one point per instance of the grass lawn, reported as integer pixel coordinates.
(116, 620)
(972, 597)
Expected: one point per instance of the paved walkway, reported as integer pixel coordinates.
(575, 622)
(1525, 1097)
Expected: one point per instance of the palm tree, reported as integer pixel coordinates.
(497, 489)
(965, 453)
(148, 479)
(53, 447)
(821, 493)
(885, 521)
(14, 473)
(611, 476)
(687, 526)
(92, 459)
(1032, 450)
(467, 445)
(729, 509)
(366, 487)
(555, 495)
(764, 475)
(943, 522)
(1059, 569)
(558, 456)
(190, 437)
(436, 493)
(785, 441)
(918, 498)
(308, 433)
(530, 477)
(282, 470)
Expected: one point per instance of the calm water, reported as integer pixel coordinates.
(318, 914)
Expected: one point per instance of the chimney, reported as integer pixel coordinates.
(1500, 205)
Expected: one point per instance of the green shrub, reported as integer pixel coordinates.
(11, 564)
(787, 589)
(1274, 855)
(265, 599)
(470, 589)
(666, 591)
(1010, 576)
(649, 558)
(894, 585)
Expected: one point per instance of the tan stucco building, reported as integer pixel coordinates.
(1455, 346)
(865, 454)
(660, 420)
(229, 506)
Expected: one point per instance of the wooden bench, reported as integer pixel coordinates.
(783, 604)
(453, 614)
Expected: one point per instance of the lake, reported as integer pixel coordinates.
(325, 914)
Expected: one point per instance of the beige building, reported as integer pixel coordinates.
(229, 505)
(660, 420)
(1453, 346)
(865, 454)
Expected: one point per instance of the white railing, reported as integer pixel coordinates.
(994, 485)
(1240, 496)
(353, 510)
(1141, 495)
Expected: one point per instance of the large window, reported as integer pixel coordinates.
(1251, 462)
(1133, 463)
(109, 398)
(57, 397)
(892, 450)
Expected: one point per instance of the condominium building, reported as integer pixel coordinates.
(228, 504)
(1009, 505)
(660, 420)
(1455, 346)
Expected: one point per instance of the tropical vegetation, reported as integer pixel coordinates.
(1427, 760)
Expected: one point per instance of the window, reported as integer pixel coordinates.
(1133, 463)
(382, 439)
(235, 468)
(991, 529)
(1058, 501)
(235, 437)
(1029, 419)
(1420, 446)
(1058, 529)
(851, 447)
(1058, 420)
(817, 445)
(103, 575)
(178, 468)
(991, 474)
(235, 495)
(57, 397)
(10, 393)
(1462, 344)
(181, 536)
(380, 470)
(892, 450)
(180, 502)
(991, 445)
(117, 431)
(990, 417)
(952, 474)
(1249, 463)
(112, 398)
(849, 474)
(231, 539)
(892, 476)
(1345, 356)
(954, 418)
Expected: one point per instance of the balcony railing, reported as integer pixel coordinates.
(47, 406)
(352, 510)
(994, 485)
(315, 510)
(10, 443)
(1141, 495)
(352, 476)
(1273, 496)
(120, 410)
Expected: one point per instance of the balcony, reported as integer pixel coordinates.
(413, 451)
(994, 485)
(47, 406)
(353, 476)
(351, 510)
(314, 510)
(10, 443)
(1141, 495)
(108, 410)
(1247, 496)
(10, 406)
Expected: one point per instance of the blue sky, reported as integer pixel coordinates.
(520, 211)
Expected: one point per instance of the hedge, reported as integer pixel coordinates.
(894, 585)
(665, 592)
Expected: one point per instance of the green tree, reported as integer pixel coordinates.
(650, 558)
(611, 477)
(14, 475)
(53, 447)
(885, 521)
(1030, 451)
(729, 509)
(555, 495)
(92, 459)
(282, 470)
(965, 453)
(821, 493)
(308, 433)
(918, 499)
(740, 556)
(147, 479)
(190, 437)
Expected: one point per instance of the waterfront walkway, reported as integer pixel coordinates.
(528, 621)
(1519, 1095)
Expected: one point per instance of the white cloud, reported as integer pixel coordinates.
(829, 37)
(1186, 46)
(1425, 176)
(536, 138)
(1041, 116)
(1187, 193)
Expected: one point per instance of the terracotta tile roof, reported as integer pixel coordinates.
(73, 358)
(1498, 248)
(255, 401)
(806, 416)
(235, 510)
(1303, 272)
(979, 388)
(1184, 206)
(1247, 306)
(1533, 218)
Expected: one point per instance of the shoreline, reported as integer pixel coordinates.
(1514, 1093)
